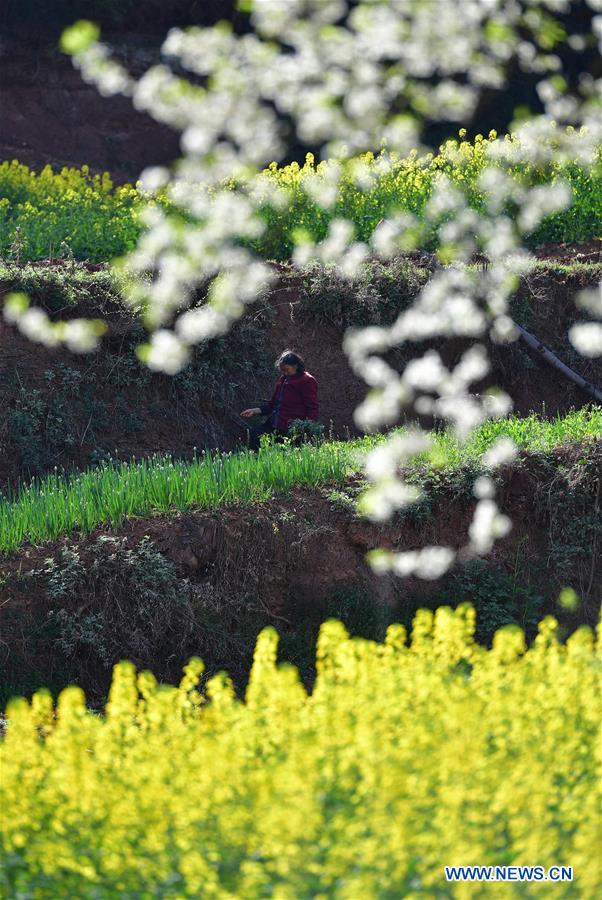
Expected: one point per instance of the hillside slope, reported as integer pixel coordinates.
(158, 590)
(64, 410)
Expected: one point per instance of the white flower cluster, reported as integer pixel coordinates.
(429, 563)
(382, 466)
(78, 335)
(351, 78)
(109, 76)
(586, 337)
(487, 525)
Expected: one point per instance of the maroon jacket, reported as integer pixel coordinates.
(298, 400)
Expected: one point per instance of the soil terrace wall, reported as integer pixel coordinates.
(209, 581)
(66, 410)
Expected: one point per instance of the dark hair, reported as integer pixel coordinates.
(288, 358)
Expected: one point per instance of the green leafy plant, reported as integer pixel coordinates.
(301, 430)
(99, 221)
(343, 501)
(499, 599)
(376, 295)
(119, 601)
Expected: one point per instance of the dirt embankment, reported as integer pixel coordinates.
(50, 115)
(159, 590)
(67, 411)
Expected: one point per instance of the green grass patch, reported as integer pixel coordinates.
(530, 433)
(115, 491)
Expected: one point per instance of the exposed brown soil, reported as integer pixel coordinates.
(290, 562)
(50, 115)
(312, 546)
(582, 252)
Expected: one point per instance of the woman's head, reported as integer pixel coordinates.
(290, 363)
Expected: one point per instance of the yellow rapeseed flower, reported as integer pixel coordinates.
(403, 759)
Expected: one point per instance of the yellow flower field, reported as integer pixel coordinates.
(403, 759)
(72, 211)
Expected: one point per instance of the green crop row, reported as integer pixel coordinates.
(72, 212)
(112, 492)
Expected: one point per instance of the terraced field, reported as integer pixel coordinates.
(367, 654)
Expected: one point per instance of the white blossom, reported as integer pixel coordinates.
(586, 337)
(372, 78)
(487, 525)
(542, 201)
(428, 563)
(154, 178)
(591, 300)
(166, 353)
(484, 487)
(80, 335)
(502, 452)
(503, 330)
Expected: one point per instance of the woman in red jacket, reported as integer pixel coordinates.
(295, 397)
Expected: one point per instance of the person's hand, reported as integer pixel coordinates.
(247, 413)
